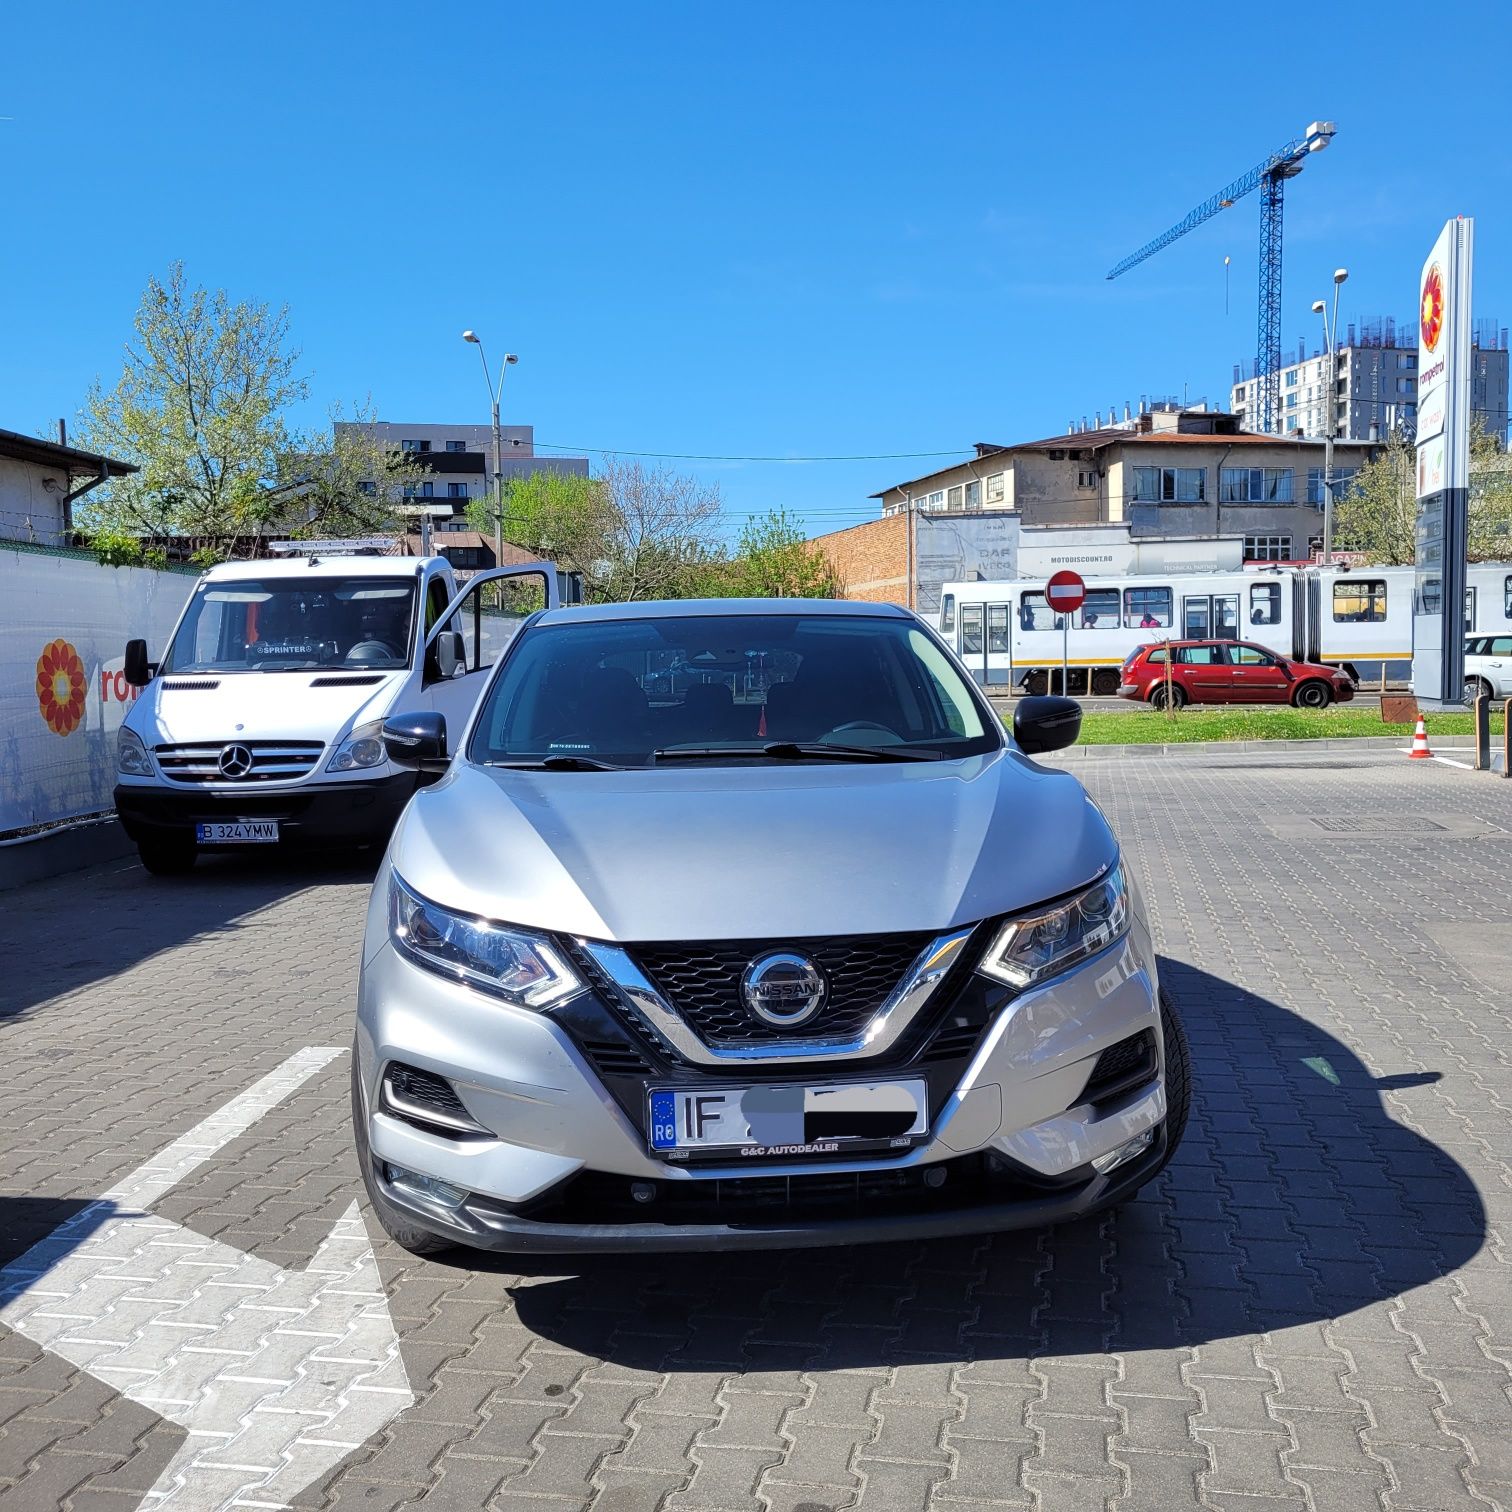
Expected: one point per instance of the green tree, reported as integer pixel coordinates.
(199, 408)
(564, 517)
(1377, 513)
(341, 482)
(775, 559)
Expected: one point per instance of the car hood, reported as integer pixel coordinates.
(753, 851)
(182, 707)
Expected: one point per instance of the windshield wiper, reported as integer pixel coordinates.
(793, 750)
(558, 764)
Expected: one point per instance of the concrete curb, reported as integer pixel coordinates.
(1251, 747)
(68, 848)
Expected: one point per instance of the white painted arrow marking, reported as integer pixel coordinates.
(277, 1375)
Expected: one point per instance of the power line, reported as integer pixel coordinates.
(615, 451)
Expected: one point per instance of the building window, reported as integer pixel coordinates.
(1409, 360)
(1291, 378)
(973, 495)
(1086, 479)
(1291, 401)
(995, 488)
(953, 497)
(1360, 600)
(1170, 485)
(1267, 548)
(1239, 394)
(427, 490)
(1255, 485)
(456, 446)
(367, 487)
(1147, 608)
(1341, 479)
(1406, 385)
(936, 500)
(414, 446)
(456, 490)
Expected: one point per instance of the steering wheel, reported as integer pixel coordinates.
(371, 650)
(869, 727)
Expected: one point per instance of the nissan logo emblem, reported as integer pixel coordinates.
(235, 761)
(783, 989)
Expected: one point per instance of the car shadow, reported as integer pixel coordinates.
(1295, 1197)
(133, 916)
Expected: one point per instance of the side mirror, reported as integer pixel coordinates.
(138, 669)
(417, 742)
(448, 656)
(1045, 723)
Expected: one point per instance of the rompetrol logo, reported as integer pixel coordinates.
(783, 989)
(1431, 316)
(60, 687)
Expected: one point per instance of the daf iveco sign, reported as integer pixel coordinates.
(1443, 466)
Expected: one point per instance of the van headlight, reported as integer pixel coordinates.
(1047, 941)
(522, 968)
(362, 748)
(132, 759)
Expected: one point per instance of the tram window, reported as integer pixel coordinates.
(1507, 597)
(1360, 601)
(947, 614)
(1265, 603)
(971, 630)
(1100, 609)
(997, 629)
(1147, 608)
(1036, 614)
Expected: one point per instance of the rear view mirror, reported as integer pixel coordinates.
(448, 656)
(1045, 723)
(417, 742)
(138, 669)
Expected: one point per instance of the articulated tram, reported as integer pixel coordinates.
(1357, 618)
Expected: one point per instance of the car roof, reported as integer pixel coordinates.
(702, 608)
(326, 566)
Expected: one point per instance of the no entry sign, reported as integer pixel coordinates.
(1065, 592)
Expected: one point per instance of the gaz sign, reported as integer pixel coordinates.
(1065, 592)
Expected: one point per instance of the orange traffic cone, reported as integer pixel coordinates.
(1420, 751)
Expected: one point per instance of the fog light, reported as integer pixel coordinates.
(429, 1188)
(1125, 1152)
(643, 1191)
(934, 1176)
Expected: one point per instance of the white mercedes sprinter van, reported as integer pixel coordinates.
(260, 724)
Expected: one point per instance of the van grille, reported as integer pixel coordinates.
(272, 760)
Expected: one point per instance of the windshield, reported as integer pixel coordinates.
(729, 687)
(291, 624)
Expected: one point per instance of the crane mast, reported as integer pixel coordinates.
(1268, 176)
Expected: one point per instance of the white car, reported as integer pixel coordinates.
(1488, 667)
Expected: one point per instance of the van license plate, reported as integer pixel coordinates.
(776, 1121)
(243, 832)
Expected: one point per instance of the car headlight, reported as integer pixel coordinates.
(1047, 941)
(132, 759)
(362, 748)
(522, 968)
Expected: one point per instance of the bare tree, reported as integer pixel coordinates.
(664, 536)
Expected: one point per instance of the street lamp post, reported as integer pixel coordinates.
(494, 393)
(1331, 343)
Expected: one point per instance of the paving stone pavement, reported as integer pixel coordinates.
(1311, 1308)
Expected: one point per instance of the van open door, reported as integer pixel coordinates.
(472, 632)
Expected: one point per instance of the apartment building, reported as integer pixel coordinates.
(458, 460)
(1375, 384)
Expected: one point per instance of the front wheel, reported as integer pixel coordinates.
(167, 855)
(1312, 695)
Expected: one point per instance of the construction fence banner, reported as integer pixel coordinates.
(64, 624)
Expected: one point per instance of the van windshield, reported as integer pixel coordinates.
(735, 687)
(281, 624)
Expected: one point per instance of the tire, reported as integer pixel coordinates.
(1178, 696)
(1477, 687)
(1037, 683)
(167, 856)
(1105, 682)
(397, 1225)
(1313, 695)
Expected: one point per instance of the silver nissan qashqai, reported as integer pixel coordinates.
(742, 924)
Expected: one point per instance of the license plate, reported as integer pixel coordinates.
(243, 832)
(771, 1121)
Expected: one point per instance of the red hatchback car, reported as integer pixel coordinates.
(1219, 671)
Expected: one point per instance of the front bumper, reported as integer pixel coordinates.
(355, 811)
(560, 1150)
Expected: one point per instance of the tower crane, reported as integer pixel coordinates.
(1268, 177)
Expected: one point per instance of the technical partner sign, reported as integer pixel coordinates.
(1443, 466)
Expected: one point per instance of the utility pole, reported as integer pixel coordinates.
(495, 391)
(1331, 340)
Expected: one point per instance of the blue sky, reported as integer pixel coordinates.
(787, 229)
